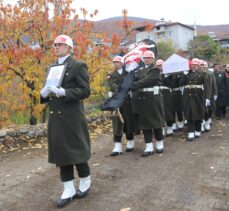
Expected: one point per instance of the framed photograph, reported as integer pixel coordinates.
(55, 75)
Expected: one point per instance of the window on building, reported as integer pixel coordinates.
(158, 27)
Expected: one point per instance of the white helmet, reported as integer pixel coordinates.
(64, 39)
(205, 64)
(118, 59)
(149, 54)
(159, 62)
(195, 61)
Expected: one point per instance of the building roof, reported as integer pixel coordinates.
(166, 24)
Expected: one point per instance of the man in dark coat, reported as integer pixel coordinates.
(221, 101)
(196, 96)
(227, 82)
(115, 78)
(68, 136)
(151, 111)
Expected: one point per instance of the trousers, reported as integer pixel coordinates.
(148, 135)
(67, 172)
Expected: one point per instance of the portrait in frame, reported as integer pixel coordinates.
(55, 75)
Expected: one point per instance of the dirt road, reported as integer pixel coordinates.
(187, 176)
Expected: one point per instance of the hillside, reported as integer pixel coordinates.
(111, 25)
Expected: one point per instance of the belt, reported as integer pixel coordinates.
(165, 87)
(177, 89)
(194, 87)
(154, 89)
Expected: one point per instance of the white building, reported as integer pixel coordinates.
(178, 33)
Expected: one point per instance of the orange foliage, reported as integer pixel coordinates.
(26, 35)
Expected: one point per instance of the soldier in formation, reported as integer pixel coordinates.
(161, 98)
(196, 97)
(151, 117)
(114, 79)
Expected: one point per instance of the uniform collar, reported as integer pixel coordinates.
(120, 71)
(62, 59)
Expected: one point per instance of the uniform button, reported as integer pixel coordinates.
(66, 73)
(190, 94)
(59, 112)
(50, 98)
(51, 112)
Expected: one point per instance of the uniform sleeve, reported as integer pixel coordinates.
(44, 100)
(207, 86)
(82, 89)
(112, 83)
(150, 79)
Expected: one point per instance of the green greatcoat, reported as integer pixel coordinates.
(114, 80)
(166, 89)
(151, 110)
(194, 98)
(68, 136)
(177, 93)
(213, 89)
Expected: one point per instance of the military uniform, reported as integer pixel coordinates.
(178, 109)
(166, 89)
(151, 110)
(68, 136)
(196, 88)
(208, 109)
(114, 79)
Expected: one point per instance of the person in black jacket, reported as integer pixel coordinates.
(221, 101)
(227, 82)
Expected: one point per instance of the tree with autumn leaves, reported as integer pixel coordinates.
(26, 36)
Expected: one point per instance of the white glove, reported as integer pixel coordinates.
(45, 91)
(166, 75)
(186, 72)
(59, 92)
(110, 94)
(207, 102)
(215, 97)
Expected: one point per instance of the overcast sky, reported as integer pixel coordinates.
(203, 12)
(207, 12)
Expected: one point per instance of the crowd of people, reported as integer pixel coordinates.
(159, 104)
(154, 106)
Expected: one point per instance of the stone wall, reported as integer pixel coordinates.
(12, 134)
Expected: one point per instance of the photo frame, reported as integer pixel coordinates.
(55, 75)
